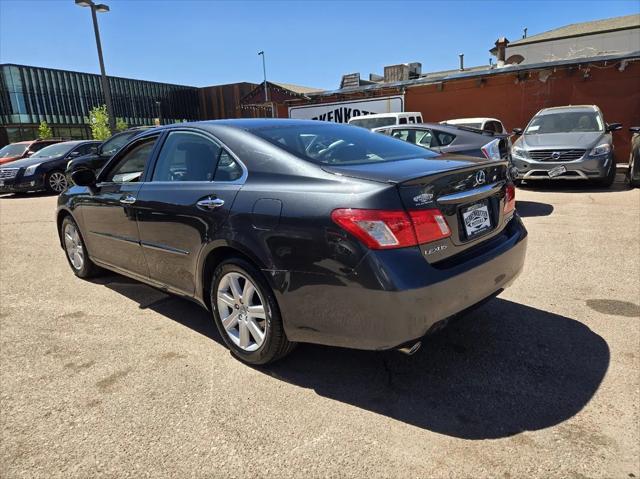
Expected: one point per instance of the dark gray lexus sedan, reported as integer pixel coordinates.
(567, 142)
(299, 231)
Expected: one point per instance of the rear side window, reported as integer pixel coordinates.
(402, 121)
(187, 156)
(336, 144)
(443, 138)
(228, 168)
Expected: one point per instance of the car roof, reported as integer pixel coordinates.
(568, 108)
(465, 120)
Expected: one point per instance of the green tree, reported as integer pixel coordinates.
(121, 125)
(44, 131)
(99, 123)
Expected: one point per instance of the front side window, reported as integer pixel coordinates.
(186, 156)
(338, 144)
(566, 122)
(131, 166)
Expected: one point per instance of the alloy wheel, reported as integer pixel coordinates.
(73, 246)
(58, 182)
(242, 311)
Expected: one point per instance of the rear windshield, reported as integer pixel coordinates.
(565, 122)
(336, 144)
(377, 122)
(113, 144)
(54, 150)
(13, 150)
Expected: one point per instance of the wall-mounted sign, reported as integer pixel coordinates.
(341, 112)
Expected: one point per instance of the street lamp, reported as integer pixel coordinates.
(266, 91)
(101, 8)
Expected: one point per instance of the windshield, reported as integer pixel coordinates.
(53, 150)
(340, 144)
(370, 123)
(566, 122)
(113, 144)
(13, 150)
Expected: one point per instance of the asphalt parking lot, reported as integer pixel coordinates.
(113, 378)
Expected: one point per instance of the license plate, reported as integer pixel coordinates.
(476, 219)
(557, 171)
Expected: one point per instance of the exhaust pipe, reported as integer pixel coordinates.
(410, 349)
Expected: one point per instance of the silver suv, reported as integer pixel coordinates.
(568, 142)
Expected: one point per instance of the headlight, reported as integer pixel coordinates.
(519, 152)
(31, 169)
(601, 150)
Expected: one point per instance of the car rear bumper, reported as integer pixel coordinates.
(395, 296)
(583, 169)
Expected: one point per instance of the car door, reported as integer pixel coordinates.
(193, 185)
(109, 210)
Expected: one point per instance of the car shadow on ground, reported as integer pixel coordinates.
(527, 209)
(19, 196)
(495, 372)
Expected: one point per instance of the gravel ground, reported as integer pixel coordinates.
(113, 378)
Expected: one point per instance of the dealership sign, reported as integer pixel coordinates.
(341, 112)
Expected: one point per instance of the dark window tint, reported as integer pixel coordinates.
(402, 121)
(39, 146)
(186, 156)
(228, 168)
(339, 144)
(113, 144)
(132, 164)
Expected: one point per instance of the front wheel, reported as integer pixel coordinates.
(56, 182)
(76, 251)
(608, 180)
(246, 313)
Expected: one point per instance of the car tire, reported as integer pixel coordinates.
(608, 180)
(632, 166)
(246, 313)
(76, 251)
(56, 182)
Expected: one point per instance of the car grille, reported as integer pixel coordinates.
(8, 173)
(556, 155)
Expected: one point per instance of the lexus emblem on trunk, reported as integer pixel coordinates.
(480, 177)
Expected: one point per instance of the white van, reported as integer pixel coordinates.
(485, 124)
(386, 119)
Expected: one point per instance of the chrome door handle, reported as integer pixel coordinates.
(128, 200)
(210, 203)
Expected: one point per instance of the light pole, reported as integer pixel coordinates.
(266, 90)
(101, 8)
(159, 105)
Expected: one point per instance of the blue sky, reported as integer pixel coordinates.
(309, 43)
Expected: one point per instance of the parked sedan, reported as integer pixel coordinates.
(298, 231)
(634, 157)
(457, 139)
(568, 142)
(106, 150)
(23, 149)
(44, 170)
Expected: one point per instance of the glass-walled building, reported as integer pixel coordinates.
(29, 95)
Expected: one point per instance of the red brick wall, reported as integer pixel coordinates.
(616, 93)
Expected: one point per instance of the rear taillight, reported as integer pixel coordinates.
(509, 199)
(384, 229)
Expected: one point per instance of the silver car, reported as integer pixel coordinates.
(568, 142)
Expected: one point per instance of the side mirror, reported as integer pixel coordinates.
(84, 177)
(517, 131)
(28, 154)
(634, 129)
(73, 154)
(614, 126)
